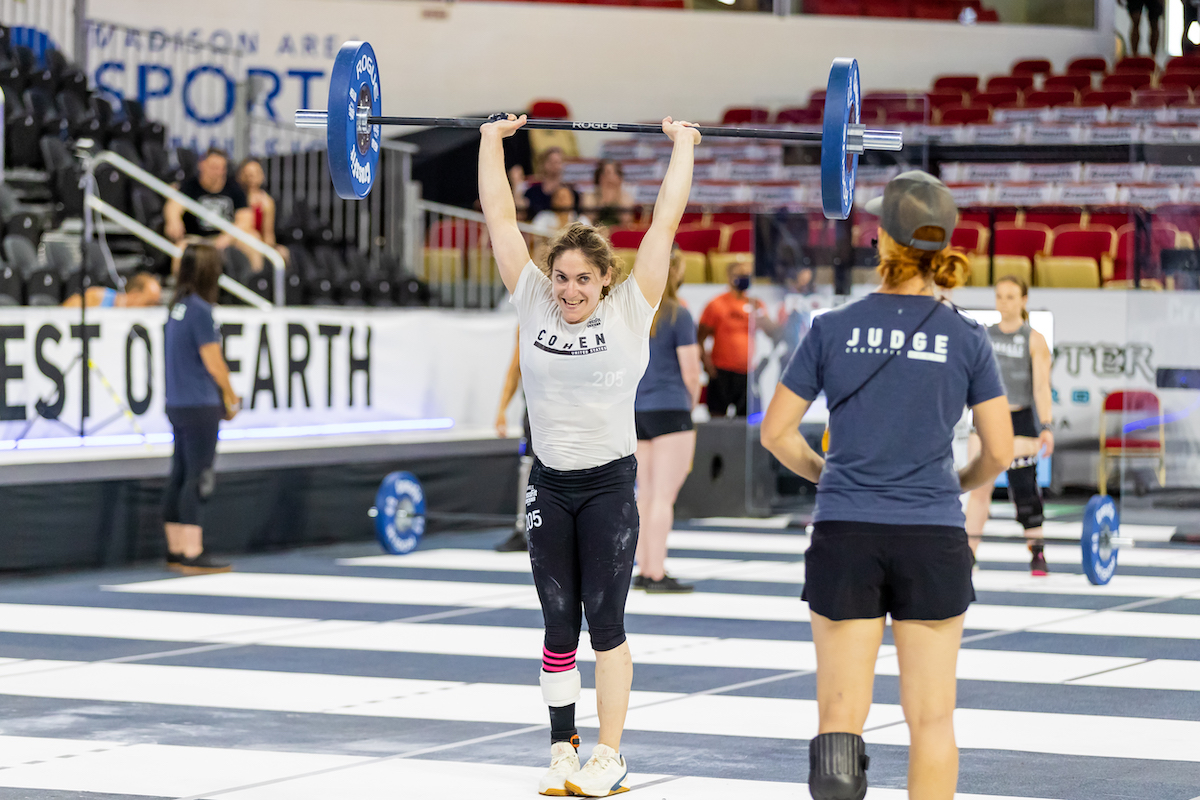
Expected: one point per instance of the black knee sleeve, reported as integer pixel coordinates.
(837, 767)
(1024, 492)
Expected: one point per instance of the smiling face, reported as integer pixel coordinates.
(577, 285)
(1009, 301)
(251, 176)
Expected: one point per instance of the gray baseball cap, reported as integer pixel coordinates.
(913, 200)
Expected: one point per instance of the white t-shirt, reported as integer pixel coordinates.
(580, 380)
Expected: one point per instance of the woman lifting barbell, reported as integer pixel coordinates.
(584, 344)
(896, 367)
(1025, 363)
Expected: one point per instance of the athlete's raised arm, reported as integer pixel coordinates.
(654, 256)
(496, 198)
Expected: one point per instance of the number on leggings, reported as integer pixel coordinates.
(533, 519)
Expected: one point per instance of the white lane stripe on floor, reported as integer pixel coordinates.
(713, 605)
(487, 641)
(695, 569)
(175, 771)
(714, 715)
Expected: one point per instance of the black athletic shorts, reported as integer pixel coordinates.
(652, 424)
(1025, 423)
(863, 570)
(1153, 8)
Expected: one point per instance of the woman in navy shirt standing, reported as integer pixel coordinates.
(199, 396)
(896, 367)
(666, 437)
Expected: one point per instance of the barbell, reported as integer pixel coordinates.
(353, 138)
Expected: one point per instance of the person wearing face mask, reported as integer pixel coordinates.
(726, 321)
(584, 345)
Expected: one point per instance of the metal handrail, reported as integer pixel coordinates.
(475, 216)
(146, 179)
(170, 248)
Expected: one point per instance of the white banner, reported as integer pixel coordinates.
(297, 368)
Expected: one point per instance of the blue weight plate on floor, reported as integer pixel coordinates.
(400, 513)
(838, 168)
(1100, 524)
(353, 154)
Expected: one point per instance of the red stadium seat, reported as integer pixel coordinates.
(1032, 66)
(1108, 97)
(940, 98)
(1163, 236)
(996, 98)
(798, 116)
(1079, 257)
(1184, 216)
(1053, 217)
(1116, 217)
(1133, 80)
(970, 236)
(1022, 240)
(887, 8)
(931, 9)
(965, 115)
(962, 83)
(844, 8)
(1072, 81)
(988, 15)
(451, 234)
(741, 238)
(549, 109)
(906, 116)
(1050, 98)
(1019, 83)
(729, 218)
(1143, 64)
(1189, 79)
(1087, 64)
(1188, 63)
(626, 238)
(743, 114)
(699, 238)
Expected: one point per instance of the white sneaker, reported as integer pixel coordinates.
(564, 762)
(604, 774)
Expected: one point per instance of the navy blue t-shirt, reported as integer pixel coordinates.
(889, 457)
(189, 326)
(662, 387)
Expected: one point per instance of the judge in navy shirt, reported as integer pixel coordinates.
(198, 397)
(897, 367)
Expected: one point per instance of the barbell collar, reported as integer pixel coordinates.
(860, 139)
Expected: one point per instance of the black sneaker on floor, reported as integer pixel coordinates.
(1037, 564)
(173, 558)
(201, 564)
(640, 581)
(667, 585)
(513, 544)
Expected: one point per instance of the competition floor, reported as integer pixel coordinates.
(339, 673)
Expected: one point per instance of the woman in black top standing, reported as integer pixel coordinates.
(198, 397)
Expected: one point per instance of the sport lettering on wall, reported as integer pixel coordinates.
(188, 79)
(1131, 361)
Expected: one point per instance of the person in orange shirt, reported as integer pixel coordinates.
(726, 320)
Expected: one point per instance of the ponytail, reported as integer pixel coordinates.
(947, 267)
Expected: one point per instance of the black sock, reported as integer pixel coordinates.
(562, 725)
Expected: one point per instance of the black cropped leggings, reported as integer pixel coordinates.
(583, 528)
(192, 479)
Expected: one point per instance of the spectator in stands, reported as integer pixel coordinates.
(608, 204)
(561, 212)
(251, 178)
(141, 290)
(198, 397)
(516, 179)
(213, 189)
(539, 195)
(1154, 14)
(726, 320)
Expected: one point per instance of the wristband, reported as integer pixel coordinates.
(1046, 426)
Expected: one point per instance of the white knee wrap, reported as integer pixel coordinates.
(560, 688)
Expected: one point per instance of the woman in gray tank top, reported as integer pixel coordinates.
(1024, 360)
